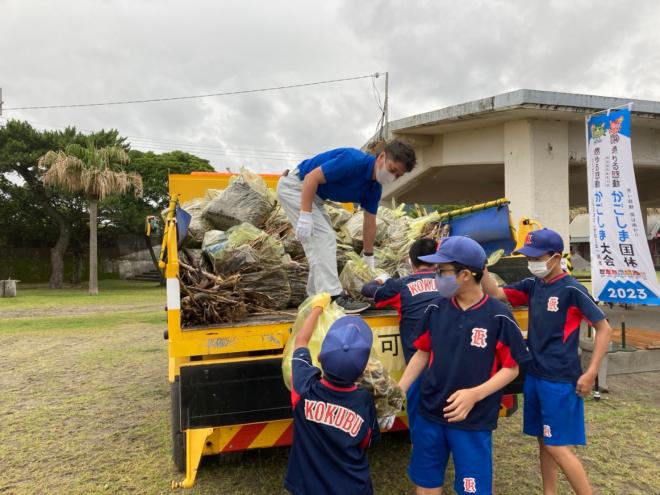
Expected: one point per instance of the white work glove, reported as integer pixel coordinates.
(386, 423)
(370, 261)
(381, 279)
(305, 226)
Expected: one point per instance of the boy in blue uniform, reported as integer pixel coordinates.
(554, 384)
(410, 296)
(346, 175)
(470, 348)
(333, 420)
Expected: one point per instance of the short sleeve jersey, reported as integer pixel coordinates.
(348, 173)
(332, 427)
(467, 348)
(556, 309)
(410, 296)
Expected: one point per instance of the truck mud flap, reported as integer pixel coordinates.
(233, 393)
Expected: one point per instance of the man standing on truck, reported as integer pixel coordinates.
(345, 175)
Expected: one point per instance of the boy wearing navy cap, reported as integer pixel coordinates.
(410, 296)
(334, 421)
(554, 384)
(346, 175)
(470, 348)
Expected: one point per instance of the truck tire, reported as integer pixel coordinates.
(178, 437)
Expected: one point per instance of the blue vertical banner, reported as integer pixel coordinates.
(621, 267)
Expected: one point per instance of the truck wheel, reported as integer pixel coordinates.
(178, 437)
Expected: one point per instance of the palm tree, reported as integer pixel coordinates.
(96, 173)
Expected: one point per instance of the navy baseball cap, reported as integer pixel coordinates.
(458, 249)
(345, 350)
(540, 242)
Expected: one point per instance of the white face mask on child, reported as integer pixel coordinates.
(539, 268)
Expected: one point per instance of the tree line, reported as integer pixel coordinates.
(58, 187)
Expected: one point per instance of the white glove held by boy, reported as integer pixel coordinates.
(386, 422)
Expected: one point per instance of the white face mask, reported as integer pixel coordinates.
(384, 176)
(539, 268)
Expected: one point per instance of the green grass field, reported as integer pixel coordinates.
(85, 410)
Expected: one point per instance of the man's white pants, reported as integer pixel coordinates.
(321, 249)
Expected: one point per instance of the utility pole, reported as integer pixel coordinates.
(385, 105)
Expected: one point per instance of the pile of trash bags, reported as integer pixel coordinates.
(242, 232)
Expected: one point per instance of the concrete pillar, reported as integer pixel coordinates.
(536, 172)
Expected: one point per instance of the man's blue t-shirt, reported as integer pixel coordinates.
(348, 173)
(410, 296)
(467, 348)
(556, 309)
(332, 427)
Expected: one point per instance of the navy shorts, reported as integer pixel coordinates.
(554, 411)
(472, 451)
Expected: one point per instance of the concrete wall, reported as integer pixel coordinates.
(537, 162)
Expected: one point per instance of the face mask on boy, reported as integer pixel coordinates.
(539, 268)
(446, 286)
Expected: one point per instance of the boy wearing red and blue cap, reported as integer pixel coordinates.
(555, 384)
(334, 421)
(410, 296)
(470, 348)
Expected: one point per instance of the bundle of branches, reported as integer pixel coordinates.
(209, 299)
(297, 274)
(271, 282)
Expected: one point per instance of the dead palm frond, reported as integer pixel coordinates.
(96, 173)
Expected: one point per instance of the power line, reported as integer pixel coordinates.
(173, 98)
(164, 144)
(217, 153)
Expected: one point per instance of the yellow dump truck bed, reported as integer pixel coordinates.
(226, 381)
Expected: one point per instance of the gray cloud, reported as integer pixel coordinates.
(437, 52)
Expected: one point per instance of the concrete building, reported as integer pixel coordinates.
(528, 146)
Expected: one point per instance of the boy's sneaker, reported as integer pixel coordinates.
(351, 306)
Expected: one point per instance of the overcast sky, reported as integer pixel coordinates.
(437, 53)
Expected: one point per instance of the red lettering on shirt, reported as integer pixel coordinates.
(348, 422)
(329, 414)
(309, 405)
(553, 304)
(479, 337)
(421, 286)
(356, 426)
(339, 417)
(333, 415)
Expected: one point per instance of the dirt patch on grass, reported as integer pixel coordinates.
(87, 412)
(79, 310)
